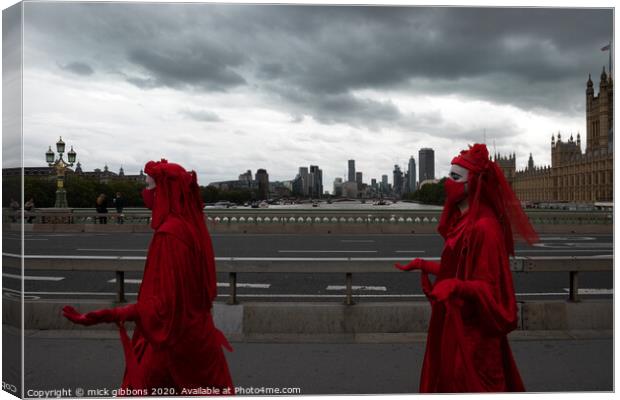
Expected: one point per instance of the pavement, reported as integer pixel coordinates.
(548, 362)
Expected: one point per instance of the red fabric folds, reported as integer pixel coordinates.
(467, 348)
(487, 185)
(175, 344)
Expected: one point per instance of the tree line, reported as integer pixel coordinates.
(430, 193)
(82, 192)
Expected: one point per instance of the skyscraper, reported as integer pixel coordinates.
(384, 184)
(246, 179)
(305, 181)
(426, 158)
(316, 181)
(398, 181)
(358, 180)
(351, 171)
(263, 183)
(411, 175)
(338, 187)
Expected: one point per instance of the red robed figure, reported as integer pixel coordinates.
(175, 343)
(472, 298)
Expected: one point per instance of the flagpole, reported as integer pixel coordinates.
(609, 57)
(608, 48)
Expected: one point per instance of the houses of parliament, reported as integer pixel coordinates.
(573, 176)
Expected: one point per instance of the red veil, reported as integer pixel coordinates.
(178, 194)
(487, 185)
(175, 341)
(467, 347)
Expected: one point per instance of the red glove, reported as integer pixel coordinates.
(418, 263)
(421, 264)
(445, 288)
(118, 314)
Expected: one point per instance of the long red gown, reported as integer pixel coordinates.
(175, 343)
(467, 348)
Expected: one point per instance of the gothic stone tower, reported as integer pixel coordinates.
(599, 114)
(508, 165)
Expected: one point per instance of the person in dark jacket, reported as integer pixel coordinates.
(102, 208)
(119, 204)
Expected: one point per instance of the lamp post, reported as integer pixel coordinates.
(60, 166)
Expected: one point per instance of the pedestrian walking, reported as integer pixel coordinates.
(175, 345)
(29, 207)
(472, 298)
(15, 209)
(119, 204)
(102, 208)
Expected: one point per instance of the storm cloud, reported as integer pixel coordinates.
(78, 68)
(369, 69)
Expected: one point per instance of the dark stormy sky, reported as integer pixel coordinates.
(224, 88)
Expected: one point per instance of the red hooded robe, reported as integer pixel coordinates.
(467, 348)
(175, 343)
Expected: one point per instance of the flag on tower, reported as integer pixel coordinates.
(605, 48)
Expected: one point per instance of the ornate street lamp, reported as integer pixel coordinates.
(60, 166)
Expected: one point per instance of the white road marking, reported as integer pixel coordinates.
(127, 280)
(563, 251)
(111, 249)
(570, 245)
(374, 288)
(246, 285)
(18, 238)
(557, 238)
(33, 278)
(219, 284)
(592, 291)
(327, 251)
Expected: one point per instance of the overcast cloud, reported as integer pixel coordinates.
(226, 88)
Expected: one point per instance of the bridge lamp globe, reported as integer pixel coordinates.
(49, 156)
(60, 146)
(71, 156)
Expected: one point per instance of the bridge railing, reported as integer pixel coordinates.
(338, 265)
(292, 216)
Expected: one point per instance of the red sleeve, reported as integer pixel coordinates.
(165, 296)
(489, 279)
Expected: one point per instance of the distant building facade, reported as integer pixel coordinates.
(426, 161)
(349, 190)
(351, 177)
(308, 182)
(103, 176)
(262, 179)
(398, 184)
(574, 176)
(359, 180)
(338, 187)
(411, 176)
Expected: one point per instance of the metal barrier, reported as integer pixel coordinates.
(297, 216)
(344, 265)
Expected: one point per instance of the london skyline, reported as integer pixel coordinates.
(220, 88)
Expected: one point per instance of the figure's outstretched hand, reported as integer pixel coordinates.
(127, 313)
(418, 263)
(444, 289)
(74, 316)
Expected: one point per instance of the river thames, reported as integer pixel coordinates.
(343, 205)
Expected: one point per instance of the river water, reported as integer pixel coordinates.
(348, 205)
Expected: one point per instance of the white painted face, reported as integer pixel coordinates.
(458, 173)
(150, 182)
